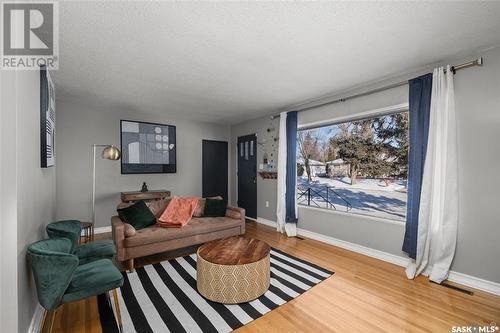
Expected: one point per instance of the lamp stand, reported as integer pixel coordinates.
(94, 149)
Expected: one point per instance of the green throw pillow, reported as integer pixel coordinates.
(137, 215)
(214, 208)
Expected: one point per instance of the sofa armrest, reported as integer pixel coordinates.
(118, 231)
(242, 216)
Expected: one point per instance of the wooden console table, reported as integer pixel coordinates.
(146, 196)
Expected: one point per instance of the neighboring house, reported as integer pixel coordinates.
(317, 168)
(338, 168)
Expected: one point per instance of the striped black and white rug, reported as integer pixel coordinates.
(163, 297)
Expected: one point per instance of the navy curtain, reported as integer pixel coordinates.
(291, 165)
(420, 106)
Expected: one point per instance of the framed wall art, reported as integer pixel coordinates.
(47, 119)
(147, 147)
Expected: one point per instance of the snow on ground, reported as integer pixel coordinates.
(368, 197)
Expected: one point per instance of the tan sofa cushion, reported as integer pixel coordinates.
(200, 208)
(234, 214)
(129, 230)
(155, 206)
(122, 205)
(155, 234)
(158, 206)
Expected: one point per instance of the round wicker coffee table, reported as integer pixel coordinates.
(233, 270)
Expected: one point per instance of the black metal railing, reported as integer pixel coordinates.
(315, 196)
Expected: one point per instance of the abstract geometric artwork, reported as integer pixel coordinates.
(147, 147)
(47, 119)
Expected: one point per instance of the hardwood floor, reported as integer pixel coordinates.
(364, 295)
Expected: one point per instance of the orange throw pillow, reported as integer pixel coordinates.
(178, 212)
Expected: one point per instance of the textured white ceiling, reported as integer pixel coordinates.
(228, 62)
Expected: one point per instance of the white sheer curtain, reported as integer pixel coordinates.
(281, 181)
(438, 214)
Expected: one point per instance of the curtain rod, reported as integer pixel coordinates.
(475, 62)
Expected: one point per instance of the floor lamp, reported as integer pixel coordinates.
(110, 152)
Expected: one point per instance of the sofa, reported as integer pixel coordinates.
(131, 243)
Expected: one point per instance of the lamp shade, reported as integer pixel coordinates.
(111, 153)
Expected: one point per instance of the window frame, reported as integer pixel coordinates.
(403, 107)
(357, 116)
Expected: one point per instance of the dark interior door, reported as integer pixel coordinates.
(247, 174)
(214, 165)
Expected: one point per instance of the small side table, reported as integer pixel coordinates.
(88, 232)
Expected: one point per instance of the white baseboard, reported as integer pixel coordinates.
(474, 282)
(460, 278)
(267, 222)
(102, 230)
(36, 320)
(380, 255)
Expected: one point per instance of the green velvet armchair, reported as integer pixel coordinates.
(88, 252)
(60, 278)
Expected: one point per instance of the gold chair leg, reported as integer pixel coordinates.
(48, 322)
(118, 312)
(130, 265)
(42, 324)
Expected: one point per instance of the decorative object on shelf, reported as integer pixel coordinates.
(110, 152)
(146, 196)
(268, 174)
(147, 147)
(47, 119)
(144, 187)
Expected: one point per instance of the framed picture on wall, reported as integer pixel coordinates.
(47, 119)
(147, 147)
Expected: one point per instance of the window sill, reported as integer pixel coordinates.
(361, 216)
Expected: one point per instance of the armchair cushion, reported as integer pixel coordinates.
(100, 249)
(53, 267)
(93, 279)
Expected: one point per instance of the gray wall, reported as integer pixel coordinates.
(31, 188)
(478, 120)
(266, 188)
(79, 125)
(8, 202)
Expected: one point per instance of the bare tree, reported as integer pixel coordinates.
(343, 130)
(309, 148)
